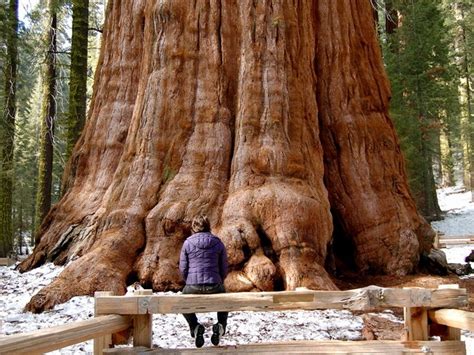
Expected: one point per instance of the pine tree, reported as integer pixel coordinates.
(78, 74)
(7, 129)
(45, 161)
(464, 14)
(417, 58)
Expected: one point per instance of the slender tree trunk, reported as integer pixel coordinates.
(391, 17)
(48, 114)
(447, 156)
(470, 115)
(20, 227)
(234, 109)
(7, 131)
(78, 75)
(438, 162)
(428, 201)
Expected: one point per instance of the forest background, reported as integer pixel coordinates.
(48, 54)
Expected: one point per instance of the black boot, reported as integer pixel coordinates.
(218, 330)
(199, 336)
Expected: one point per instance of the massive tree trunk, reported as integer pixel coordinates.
(364, 168)
(221, 108)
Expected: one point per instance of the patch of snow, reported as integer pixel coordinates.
(459, 218)
(17, 290)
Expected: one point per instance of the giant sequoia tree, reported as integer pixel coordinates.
(269, 116)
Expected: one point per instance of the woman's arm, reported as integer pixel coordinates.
(223, 263)
(184, 262)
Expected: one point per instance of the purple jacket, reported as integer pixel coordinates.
(203, 260)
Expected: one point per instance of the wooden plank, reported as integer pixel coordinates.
(455, 318)
(368, 298)
(416, 323)
(459, 240)
(53, 338)
(128, 350)
(143, 324)
(101, 342)
(7, 261)
(117, 304)
(385, 347)
(456, 237)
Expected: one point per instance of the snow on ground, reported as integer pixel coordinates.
(171, 331)
(459, 218)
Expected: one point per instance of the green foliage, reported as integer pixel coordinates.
(424, 99)
(32, 55)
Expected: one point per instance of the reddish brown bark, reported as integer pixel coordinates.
(225, 98)
(364, 167)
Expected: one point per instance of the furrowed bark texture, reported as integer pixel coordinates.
(364, 168)
(228, 117)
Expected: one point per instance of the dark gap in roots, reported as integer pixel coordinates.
(132, 278)
(267, 246)
(270, 253)
(278, 284)
(247, 252)
(340, 257)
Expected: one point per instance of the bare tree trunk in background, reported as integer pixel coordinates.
(78, 75)
(391, 17)
(48, 115)
(246, 111)
(468, 92)
(7, 130)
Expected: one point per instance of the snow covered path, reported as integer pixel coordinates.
(459, 219)
(244, 327)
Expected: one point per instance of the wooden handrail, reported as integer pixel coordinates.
(455, 318)
(363, 299)
(111, 310)
(53, 338)
(314, 347)
(7, 261)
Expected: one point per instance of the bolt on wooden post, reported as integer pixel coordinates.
(143, 323)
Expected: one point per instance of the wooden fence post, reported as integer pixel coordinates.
(416, 322)
(443, 331)
(105, 341)
(142, 325)
(436, 241)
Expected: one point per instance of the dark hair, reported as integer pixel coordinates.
(200, 224)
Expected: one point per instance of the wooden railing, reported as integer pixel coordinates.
(7, 261)
(443, 241)
(134, 312)
(53, 338)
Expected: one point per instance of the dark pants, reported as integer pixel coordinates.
(204, 289)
